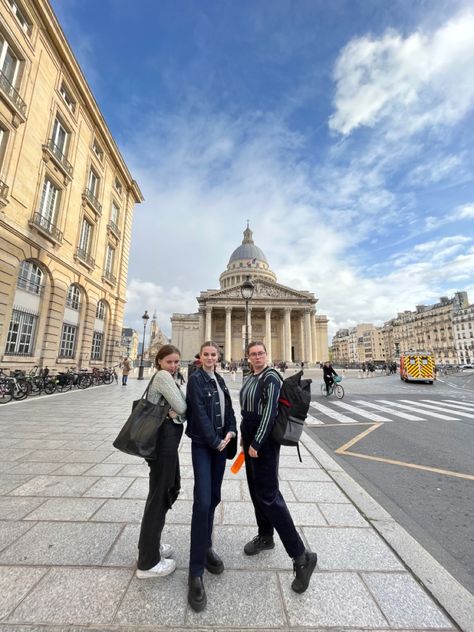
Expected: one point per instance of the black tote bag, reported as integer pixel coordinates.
(139, 433)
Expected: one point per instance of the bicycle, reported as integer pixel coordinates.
(334, 389)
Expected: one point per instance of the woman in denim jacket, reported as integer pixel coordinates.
(211, 425)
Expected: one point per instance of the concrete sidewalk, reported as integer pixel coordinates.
(70, 509)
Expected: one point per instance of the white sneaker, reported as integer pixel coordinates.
(166, 550)
(163, 568)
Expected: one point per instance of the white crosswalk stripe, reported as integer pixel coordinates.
(457, 404)
(442, 409)
(359, 411)
(334, 414)
(416, 409)
(312, 421)
(386, 409)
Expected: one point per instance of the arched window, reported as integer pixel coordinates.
(67, 347)
(101, 310)
(73, 299)
(99, 327)
(30, 278)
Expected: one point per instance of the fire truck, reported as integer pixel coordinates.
(417, 366)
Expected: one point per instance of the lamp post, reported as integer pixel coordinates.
(145, 318)
(246, 289)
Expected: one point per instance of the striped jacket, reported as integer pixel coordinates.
(259, 402)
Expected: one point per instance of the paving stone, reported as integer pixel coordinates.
(72, 469)
(11, 530)
(55, 486)
(342, 515)
(69, 509)
(134, 471)
(345, 548)
(35, 467)
(15, 583)
(74, 596)
(238, 513)
(318, 492)
(13, 454)
(121, 457)
(181, 513)
(42, 444)
(233, 490)
(10, 482)
(109, 487)
(284, 486)
(302, 513)
(48, 456)
(12, 508)
(298, 474)
(404, 602)
(306, 514)
(89, 456)
(105, 469)
(137, 488)
(331, 600)
(148, 601)
(62, 543)
(240, 598)
(120, 510)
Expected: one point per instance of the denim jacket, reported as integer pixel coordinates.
(206, 423)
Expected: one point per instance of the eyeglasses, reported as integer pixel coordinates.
(257, 354)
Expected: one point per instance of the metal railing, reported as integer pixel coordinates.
(88, 194)
(112, 226)
(12, 94)
(84, 256)
(3, 190)
(47, 227)
(34, 287)
(56, 152)
(109, 277)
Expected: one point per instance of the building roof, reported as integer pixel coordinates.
(247, 250)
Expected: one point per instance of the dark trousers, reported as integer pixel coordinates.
(271, 511)
(124, 380)
(209, 467)
(329, 382)
(164, 486)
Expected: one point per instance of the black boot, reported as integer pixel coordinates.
(303, 567)
(214, 564)
(259, 543)
(196, 594)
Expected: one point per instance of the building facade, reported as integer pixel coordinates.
(66, 198)
(129, 343)
(284, 318)
(463, 332)
(157, 339)
(357, 345)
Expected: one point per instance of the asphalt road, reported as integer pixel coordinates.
(420, 470)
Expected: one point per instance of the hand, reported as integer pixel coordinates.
(172, 414)
(253, 453)
(224, 441)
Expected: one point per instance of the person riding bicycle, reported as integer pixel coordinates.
(328, 373)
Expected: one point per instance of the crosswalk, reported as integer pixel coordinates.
(361, 410)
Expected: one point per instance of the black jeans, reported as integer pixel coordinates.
(329, 381)
(164, 486)
(271, 511)
(209, 467)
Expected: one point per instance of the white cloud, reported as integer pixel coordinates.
(464, 212)
(409, 83)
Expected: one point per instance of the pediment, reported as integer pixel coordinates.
(263, 290)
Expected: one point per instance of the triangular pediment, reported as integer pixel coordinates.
(263, 290)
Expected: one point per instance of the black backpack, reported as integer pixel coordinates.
(293, 406)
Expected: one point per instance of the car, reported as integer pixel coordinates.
(466, 366)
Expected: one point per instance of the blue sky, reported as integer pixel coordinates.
(342, 130)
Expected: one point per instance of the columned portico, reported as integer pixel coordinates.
(228, 334)
(308, 326)
(287, 334)
(268, 332)
(208, 323)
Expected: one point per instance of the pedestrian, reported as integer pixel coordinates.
(126, 368)
(154, 558)
(211, 425)
(328, 373)
(259, 404)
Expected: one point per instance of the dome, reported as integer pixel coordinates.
(247, 250)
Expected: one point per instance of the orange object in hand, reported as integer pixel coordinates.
(237, 464)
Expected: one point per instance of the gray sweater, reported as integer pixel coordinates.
(164, 384)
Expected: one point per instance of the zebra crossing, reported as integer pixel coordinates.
(361, 410)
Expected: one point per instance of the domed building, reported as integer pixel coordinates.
(283, 318)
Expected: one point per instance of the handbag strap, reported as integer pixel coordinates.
(144, 396)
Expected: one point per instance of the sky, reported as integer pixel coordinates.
(343, 131)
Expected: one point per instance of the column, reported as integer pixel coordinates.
(302, 353)
(201, 326)
(208, 323)
(287, 330)
(228, 334)
(268, 332)
(308, 338)
(314, 336)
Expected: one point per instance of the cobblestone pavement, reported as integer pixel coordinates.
(70, 508)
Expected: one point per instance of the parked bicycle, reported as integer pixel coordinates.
(334, 389)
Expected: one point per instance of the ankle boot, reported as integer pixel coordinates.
(196, 594)
(214, 564)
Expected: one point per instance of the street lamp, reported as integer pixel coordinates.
(145, 318)
(246, 289)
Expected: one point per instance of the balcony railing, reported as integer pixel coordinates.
(113, 228)
(29, 285)
(12, 94)
(55, 151)
(3, 190)
(108, 276)
(85, 257)
(47, 227)
(93, 201)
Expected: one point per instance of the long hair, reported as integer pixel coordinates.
(165, 350)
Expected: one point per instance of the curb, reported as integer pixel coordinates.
(457, 602)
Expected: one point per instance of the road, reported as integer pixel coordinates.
(410, 447)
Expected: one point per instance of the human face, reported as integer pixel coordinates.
(209, 357)
(257, 358)
(170, 363)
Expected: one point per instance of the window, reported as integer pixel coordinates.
(85, 237)
(109, 259)
(21, 333)
(3, 143)
(101, 310)
(68, 341)
(66, 95)
(97, 345)
(114, 213)
(60, 138)
(30, 277)
(20, 16)
(93, 183)
(97, 149)
(9, 62)
(73, 299)
(49, 201)
(118, 186)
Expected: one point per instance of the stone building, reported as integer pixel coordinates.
(463, 332)
(157, 339)
(129, 343)
(284, 318)
(66, 198)
(359, 344)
